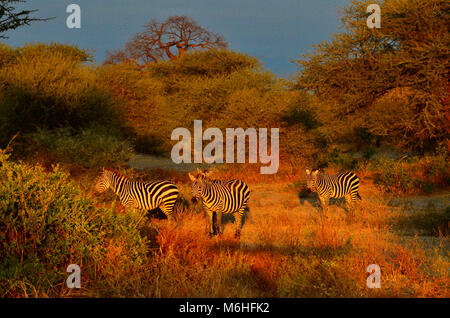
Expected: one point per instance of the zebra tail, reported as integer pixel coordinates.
(359, 197)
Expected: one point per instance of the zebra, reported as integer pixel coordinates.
(229, 197)
(345, 184)
(139, 195)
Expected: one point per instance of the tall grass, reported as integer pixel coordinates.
(290, 250)
(287, 247)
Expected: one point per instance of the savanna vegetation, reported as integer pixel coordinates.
(370, 100)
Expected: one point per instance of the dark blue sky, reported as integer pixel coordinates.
(274, 31)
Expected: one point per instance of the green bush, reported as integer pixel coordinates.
(46, 223)
(87, 148)
(49, 87)
(393, 176)
(414, 174)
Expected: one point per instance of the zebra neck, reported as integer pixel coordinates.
(206, 193)
(320, 183)
(118, 184)
(323, 182)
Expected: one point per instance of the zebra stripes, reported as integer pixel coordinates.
(345, 184)
(139, 195)
(229, 197)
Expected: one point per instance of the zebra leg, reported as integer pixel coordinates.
(238, 221)
(324, 203)
(168, 212)
(209, 222)
(219, 222)
(349, 202)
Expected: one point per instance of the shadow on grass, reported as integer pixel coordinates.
(431, 223)
(322, 252)
(313, 199)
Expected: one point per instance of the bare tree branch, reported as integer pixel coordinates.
(10, 19)
(169, 39)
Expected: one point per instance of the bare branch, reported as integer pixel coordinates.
(169, 39)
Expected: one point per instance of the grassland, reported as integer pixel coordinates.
(288, 248)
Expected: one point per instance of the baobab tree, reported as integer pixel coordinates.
(166, 40)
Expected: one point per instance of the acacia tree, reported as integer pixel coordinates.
(390, 82)
(11, 19)
(169, 39)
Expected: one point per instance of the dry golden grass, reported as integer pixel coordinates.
(288, 248)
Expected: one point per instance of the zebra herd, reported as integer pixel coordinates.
(218, 197)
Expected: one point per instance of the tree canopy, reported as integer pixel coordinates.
(390, 82)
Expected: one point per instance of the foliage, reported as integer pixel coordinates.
(391, 81)
(415, 174)
(209, 63)
(47, 86)
(87, 148)
(223, 88)
(46, 223)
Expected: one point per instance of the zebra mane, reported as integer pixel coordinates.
(116, 173)
(203, 177)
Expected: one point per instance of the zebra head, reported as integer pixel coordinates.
(103, 181)
(311, 179)
(199, 182)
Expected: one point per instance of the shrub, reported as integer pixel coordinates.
(46, 223)
(88, 148)
(7, 55)
(143, 104)
(393, 176)
(48, 87)
(210, 63)
(43, 50)
(415, 174)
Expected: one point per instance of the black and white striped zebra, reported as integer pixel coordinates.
(343, 185)
(221, 197)
(139, 195)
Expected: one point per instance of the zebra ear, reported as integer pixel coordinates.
(191, 177)
(308, 172)
(315, 172)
